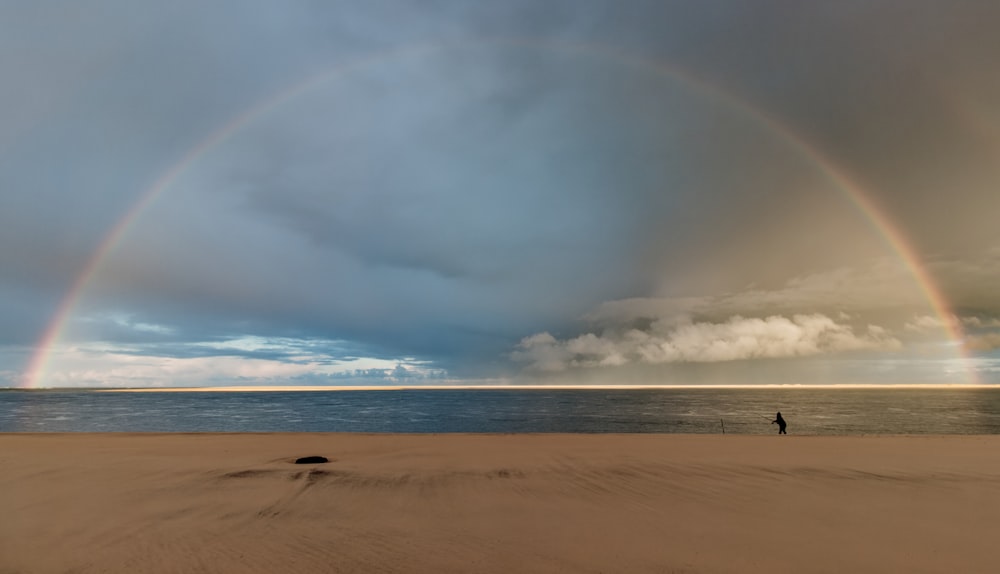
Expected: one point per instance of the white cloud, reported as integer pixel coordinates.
(924, 323)
(104, 365)
(981, 322)
(127, 322)
(673, 341)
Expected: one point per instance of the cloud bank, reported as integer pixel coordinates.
(699, 342)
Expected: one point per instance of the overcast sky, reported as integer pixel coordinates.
(538, 191)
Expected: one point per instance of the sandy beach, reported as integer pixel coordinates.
(498, 503)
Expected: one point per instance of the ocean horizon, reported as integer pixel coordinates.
(809, 410)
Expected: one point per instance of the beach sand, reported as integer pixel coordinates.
(498, 503)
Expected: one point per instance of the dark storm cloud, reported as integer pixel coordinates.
(895, 92)
(498, 170)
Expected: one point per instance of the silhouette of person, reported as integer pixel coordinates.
(781, 424)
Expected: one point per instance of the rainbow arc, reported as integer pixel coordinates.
(893, 237)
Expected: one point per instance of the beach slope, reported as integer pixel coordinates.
(498, 503)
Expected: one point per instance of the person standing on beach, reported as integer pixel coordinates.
(781, 423)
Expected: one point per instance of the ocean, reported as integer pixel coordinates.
(698, 411)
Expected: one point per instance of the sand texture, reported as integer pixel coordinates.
(498, 503)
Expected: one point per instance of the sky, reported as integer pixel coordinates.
(202, 193)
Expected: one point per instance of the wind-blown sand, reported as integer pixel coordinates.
(498, 503)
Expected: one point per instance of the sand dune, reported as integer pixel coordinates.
(490, 503)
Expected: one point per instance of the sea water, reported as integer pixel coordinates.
(702, 411)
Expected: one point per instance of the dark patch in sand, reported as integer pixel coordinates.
(504, 473)
(312, 460)
(315, 475)
(247, 473)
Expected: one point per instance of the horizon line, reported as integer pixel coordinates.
(525, 387)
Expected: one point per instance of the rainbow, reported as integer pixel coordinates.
(893, 237)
